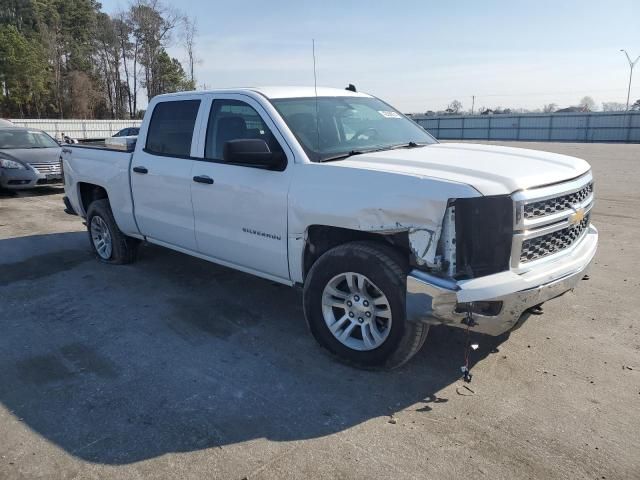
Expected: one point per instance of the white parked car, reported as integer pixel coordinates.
(387, 230)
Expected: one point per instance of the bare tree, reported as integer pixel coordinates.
(108, 62)
(588, 104)
(128, 55)
(550, 107)
(189, 32)
(53, 50)
(454, 107)
(152, 23)
(82, 91)
(613, 107)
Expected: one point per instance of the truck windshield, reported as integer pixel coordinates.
(331, 128)
(13, 138)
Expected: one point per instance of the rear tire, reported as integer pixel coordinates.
(368, 280)
(107, 241)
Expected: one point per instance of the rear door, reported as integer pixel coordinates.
(161, 173)
(241, 216)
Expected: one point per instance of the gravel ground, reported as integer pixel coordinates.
(175, 367)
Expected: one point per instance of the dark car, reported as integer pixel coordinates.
(128, 132)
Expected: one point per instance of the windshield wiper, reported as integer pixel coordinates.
(342, 156)
(408, 145)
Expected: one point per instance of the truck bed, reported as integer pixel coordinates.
(104, 167)
(121, 144)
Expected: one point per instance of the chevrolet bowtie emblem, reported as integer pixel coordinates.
(577, 216)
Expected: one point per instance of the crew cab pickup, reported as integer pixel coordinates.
(386, 230)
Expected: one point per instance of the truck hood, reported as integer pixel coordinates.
(491, 170)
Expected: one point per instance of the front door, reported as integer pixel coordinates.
(241, 217)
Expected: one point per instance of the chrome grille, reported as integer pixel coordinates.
(545, 245)
(46, 167)
(557, 204)
(544, 220)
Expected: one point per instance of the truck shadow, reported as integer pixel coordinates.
(174, 354)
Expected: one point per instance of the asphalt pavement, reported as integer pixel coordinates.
(174, 367)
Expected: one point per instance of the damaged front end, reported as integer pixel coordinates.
(474, 239)
(470, 270)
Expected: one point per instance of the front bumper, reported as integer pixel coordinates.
(17, 179)
(435, 300)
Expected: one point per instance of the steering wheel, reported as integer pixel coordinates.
(363, 131)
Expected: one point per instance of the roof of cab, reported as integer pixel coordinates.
(293, 92)
(282, 92)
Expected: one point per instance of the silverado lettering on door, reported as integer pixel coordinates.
(261, 234)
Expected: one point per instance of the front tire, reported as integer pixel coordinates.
(354, 302)
(107, 241)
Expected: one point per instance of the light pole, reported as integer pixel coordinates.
(631, 65)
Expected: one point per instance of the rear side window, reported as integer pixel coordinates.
(171, 128)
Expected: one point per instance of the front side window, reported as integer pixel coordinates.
(235, 120)
(171, 128)
(15, 138)
(331, 127)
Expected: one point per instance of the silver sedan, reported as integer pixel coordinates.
(28, 158)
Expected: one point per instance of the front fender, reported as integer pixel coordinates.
(370, 201)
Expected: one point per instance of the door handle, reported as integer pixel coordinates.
(140, 170)
(203, 179)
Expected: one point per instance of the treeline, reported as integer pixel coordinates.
(586, 104)
(69, 59)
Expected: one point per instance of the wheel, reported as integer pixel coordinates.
(354, 303)
(107, 241)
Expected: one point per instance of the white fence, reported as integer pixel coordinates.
(80, 129)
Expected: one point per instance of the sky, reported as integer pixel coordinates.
(421, 55)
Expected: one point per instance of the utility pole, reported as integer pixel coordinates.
(473, 102)
(631, 65)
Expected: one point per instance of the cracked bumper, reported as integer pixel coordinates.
(435, 300)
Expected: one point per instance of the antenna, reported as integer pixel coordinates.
(315, 88)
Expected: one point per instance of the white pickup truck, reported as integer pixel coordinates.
(387, 230)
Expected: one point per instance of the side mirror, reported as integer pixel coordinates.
(251, 151)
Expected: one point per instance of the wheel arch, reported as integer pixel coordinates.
(322, 238)
(90, 192)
